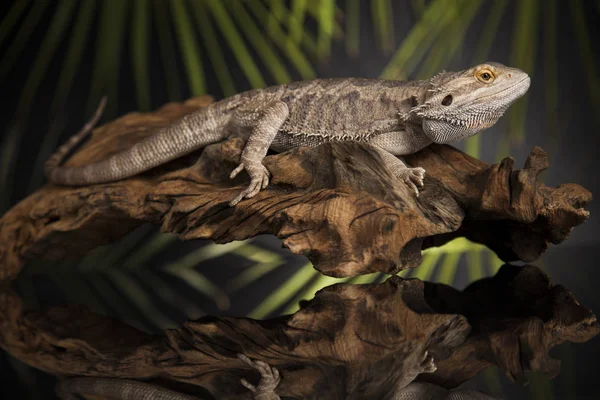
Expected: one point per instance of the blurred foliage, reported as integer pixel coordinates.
(263, 42)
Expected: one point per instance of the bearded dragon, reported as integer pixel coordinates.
(397, 117)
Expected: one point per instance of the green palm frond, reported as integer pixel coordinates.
(140, 38)
(276, 33)
(491, 25)
(265, 262)
(263, 48)
(523, 54)
(296, 19)
(352, 27)
(418, 7)
(236, 44)
(213, 50)
(551, 74)
(326, 18)
(184, 270)
(11, 18)
(285, 292)
(446, 46)
(491, 377)
(8, 152)
(382, 12)
(188, 48)
(436, 17)
(540, 386)
(150, 248)
(308, 292)
(22, 36)
(106, 71)
(586, 53)
(54, 36)
(167, 49)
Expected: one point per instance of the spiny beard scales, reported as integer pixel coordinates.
(447, 128)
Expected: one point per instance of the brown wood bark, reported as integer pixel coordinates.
(336, 203)
(349, 342)
(339, 206)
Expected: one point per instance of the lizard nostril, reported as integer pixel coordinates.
(509, 75)
(447, 100)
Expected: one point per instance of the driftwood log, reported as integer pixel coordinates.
(339, 206)
(336, 203)
(349, 342)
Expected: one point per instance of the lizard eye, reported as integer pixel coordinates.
(485, 76)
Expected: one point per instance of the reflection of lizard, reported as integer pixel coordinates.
(125, 389)
(122, 389)
(397, 117)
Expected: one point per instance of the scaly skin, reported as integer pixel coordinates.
(126, 389)
(114, 388)
(397, 117)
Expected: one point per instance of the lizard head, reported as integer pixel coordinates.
(461, 104)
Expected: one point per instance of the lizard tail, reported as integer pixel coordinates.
(59, 155)
(114, 388)
(192, 132)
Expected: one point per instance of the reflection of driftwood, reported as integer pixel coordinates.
(339, 206)
(350, 341)
(335, 203)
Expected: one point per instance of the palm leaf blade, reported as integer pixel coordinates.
(284, 292)
(288, 47)
(236, 44)
(21, 38)
(139, 55)
(215, 55)
(586, 53)
(352, 27)
(418, 41)
(260, 44)
(165, 43)
(105, 76)
(189, 50)
(296, 21)
(11, 18)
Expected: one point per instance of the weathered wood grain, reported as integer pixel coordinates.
(349, 342)
(336, 203)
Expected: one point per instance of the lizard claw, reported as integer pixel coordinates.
(269, 380)
(413, 177)
(259, 179)
(428, 364)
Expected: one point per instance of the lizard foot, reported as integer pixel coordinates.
(270, 378)
(259, 179)
(413, 177)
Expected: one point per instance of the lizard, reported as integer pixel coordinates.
(128, 389)
(123, 389)
(397, 117)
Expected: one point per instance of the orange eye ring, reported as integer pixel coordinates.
(485, 75)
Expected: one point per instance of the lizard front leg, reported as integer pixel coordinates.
(394, 144)
(261, 137)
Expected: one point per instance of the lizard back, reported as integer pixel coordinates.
(345, 108)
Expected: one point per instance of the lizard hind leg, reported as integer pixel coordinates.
(264, 131)
(269, 379)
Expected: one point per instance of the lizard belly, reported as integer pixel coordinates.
(285, 141)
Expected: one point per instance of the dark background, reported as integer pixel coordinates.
(561, 114)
